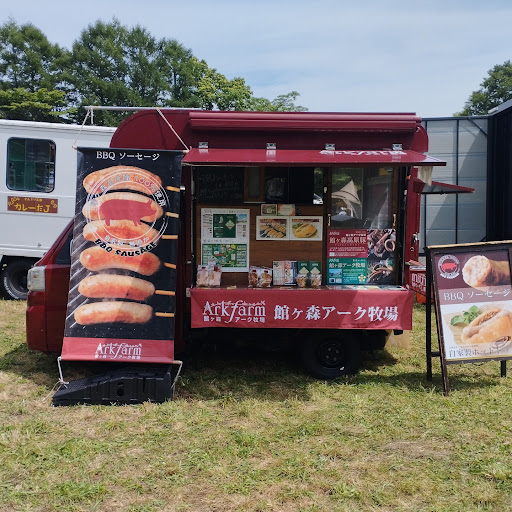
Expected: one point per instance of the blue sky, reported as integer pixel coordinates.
(395, 56)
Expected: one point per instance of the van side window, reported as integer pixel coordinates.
(30, 165)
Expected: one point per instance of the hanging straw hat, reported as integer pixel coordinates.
(348, 193)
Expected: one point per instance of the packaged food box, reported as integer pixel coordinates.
(308, 269)
(209, 275)
(268, 209)
(260, 277)
(316, 280)
(253, 277)
(302, 280)
(303, 267)
(214, 273)
(315, 267)
(302, 274)
(278, 273)
(290, 272)
(202, 275)
(286, 209)
(265, 278)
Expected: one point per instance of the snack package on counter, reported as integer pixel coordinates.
(278, 273)
(302, 274)
(316, 280)
(253, 277)
(302, 280)
(214, 273)
(269, 209)
(265, 278)
(290, 272)
(286, 209)
(315, 274)
(315, 267)
(202, 275)
(260, 277)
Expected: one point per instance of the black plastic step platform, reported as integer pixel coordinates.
(130, 385)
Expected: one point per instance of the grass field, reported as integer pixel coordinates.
(251, 432)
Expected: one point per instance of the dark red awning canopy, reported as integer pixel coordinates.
(445, 188)
(247, 157)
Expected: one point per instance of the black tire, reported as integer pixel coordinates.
(13, 279)
(331, 355)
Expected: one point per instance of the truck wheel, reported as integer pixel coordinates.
(13, 279)
(332, 355)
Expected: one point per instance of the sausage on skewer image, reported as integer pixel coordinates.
(113, 286)
(113, 311)
(120, 230)
(132, 178)
(97, 259)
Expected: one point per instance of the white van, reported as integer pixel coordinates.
(38, 164)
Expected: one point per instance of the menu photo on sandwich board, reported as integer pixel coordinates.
(473, 301)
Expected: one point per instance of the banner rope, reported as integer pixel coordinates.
(171, 127)
(89, 113)
(81, 128)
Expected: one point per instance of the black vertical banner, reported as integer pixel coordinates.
(121, 302)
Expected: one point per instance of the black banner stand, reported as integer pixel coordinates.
(428, 326)
(430, 287)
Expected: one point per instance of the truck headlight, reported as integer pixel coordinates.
(36, 279)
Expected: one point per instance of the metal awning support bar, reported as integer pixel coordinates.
(91, 108)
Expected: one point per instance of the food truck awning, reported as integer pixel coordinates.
(445, 188)
(200, 156)
(437, 187)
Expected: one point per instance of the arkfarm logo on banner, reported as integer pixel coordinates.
(120, 350)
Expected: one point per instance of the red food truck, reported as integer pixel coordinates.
(282, 223)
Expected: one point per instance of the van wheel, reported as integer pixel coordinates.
(331, 355)
(13, 279)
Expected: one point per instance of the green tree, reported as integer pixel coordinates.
(41, 105)
(182, 71)
(283, 103)
(28, 60)
(216, 91)
(112, 66)
(31, 75)
(495, 89)
(115, 66)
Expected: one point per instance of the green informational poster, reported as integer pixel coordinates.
(224, 225)
(346, 270)
(225, 238)
(227, 255)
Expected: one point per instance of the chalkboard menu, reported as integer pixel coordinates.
(220, 185)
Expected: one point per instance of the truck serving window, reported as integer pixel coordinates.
(289, 185)
(30, 165)
(362, 198)
(225, 185)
